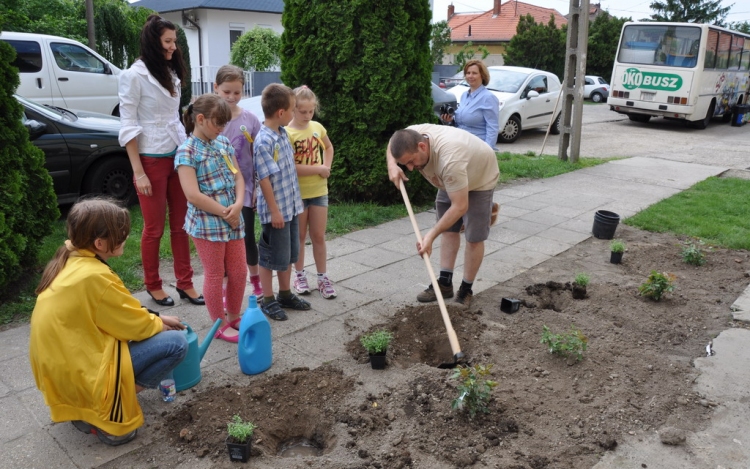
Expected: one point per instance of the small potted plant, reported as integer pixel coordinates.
(376, 344)
(579, 286)
(239, 439)
(617, 248)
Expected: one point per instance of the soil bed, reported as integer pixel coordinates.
(546, 412)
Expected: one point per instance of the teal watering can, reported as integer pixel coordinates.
(188, 372)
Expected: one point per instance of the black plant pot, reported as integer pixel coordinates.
(377, 360)
(579, 292)
(615, 257)
(238, 451)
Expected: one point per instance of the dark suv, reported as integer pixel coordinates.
(82, 152)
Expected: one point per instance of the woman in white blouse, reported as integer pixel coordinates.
(151, 131)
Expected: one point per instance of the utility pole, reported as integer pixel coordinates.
(573, 81)
(90, 23)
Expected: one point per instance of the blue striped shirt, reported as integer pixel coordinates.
(274, 158)
(478, 114)
(215, 180)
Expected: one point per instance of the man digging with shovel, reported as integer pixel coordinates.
(464, 169)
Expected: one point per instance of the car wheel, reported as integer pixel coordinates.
(112, 176)
(511, 130)
(555, 129)
(639, 118)
(703, 123)
(597, 97)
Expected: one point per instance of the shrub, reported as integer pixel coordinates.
(28, 205)
(376, 342)
(693, 254)
(656, 285)
(574, 343)
(582, 279)
(474, 388)
(617, 246)
(240, 430)
(257, 49)
(370, 68)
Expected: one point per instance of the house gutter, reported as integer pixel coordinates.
(200, 45)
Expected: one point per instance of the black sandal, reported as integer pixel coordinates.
(273, 310)
(293, 302)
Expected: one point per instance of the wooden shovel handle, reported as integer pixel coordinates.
(439, 294)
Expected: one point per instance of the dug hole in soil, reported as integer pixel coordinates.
(546, 411)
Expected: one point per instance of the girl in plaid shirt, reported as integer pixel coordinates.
(215, 191)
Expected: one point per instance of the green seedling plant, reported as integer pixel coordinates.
(617, 246)
(376, 342)
(582, 279)
(474, 388)
(240, 430)
(573, 343)
(657, 285)
(693, 253)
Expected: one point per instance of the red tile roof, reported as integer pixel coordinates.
(486, 28)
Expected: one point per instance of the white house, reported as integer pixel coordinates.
(212, 26)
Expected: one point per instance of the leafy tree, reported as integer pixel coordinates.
(467, 52)
(257, 49)
(56, 17)
(689, 11)
(537, 45)
(187, 89)
(440, 39)
(371, 69)
(743, 27)
(604, 35)
(118, 30)
(28, 205)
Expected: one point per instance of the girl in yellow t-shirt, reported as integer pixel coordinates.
(313, 156)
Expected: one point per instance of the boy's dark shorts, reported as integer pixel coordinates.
(477, 217)
(277, 248)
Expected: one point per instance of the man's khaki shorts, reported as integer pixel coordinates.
(476, 220)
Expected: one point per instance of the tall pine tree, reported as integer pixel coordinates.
(690, 11)
(370, 66)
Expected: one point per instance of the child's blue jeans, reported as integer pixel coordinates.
(156, 356)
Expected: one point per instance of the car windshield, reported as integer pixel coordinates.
(44, 110)
(506, 81)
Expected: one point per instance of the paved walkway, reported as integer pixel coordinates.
(376, 271)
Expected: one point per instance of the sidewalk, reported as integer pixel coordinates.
(376, 271)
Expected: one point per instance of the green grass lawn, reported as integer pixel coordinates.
(715, 211)
(342, 219)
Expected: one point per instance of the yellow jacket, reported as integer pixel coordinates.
(78, 347)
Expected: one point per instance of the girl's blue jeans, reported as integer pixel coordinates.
(156, 356)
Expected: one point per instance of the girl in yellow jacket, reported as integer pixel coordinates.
(92, 345)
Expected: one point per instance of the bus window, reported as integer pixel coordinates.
(675, 46)
(745, 61)
(722, 55)
(711, 41)
(735, 52)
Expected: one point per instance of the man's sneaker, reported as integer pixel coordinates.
(463, 297)
(325, 287)
(300, 282)
(429, 295)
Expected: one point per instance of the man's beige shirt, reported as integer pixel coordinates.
(458, 159)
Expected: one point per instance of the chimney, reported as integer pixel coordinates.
(451, 11)
(496, 9)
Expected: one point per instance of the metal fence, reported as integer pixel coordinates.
(203, 79)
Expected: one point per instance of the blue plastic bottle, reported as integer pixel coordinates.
(254, 347)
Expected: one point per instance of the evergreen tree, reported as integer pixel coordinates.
(118, 30)
(741, 26)
(690, 11)
(187, 88)
(537, 45)
(28, 205)
(370, 67)
(469, 52)
(604, 35)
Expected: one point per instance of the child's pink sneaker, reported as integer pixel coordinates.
(325, 287)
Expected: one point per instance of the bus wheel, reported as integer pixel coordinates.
(703, 123)
(639, 118)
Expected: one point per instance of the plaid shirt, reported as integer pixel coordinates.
(270, 146)
(215, 180)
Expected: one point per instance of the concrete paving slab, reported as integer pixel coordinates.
(652, 171)
(567, 212)
(547, 246)
(4, 390)
(15, 343)
(36, 450)
(545, 218)
(325, 340)
(519, 258)
(564, 236)
(380, 283)
(512, 211)
(341, 269)
(37, 410)
(523, 226)
(501, 234)
(526, 204)
(371, 236)
(401, 226)
(342, 246)
(15, 419)
(374, 257)
(743, 316)
(13, 378)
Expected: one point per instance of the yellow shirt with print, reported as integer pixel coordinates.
(308, 149)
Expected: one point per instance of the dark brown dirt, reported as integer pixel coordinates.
(546, 412)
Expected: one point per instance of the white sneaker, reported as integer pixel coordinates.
(325, 287)
(300, 282)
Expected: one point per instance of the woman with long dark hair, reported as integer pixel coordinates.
(151, 132)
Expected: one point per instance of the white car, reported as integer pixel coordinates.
(595, 88)
(528, 98)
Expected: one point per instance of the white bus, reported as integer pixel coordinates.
(687, 71)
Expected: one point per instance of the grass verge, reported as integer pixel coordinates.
(714, 210)
(342, 219)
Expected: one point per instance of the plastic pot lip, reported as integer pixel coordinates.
(378, 354)
(608, 214)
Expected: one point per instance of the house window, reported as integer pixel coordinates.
(234, 34)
